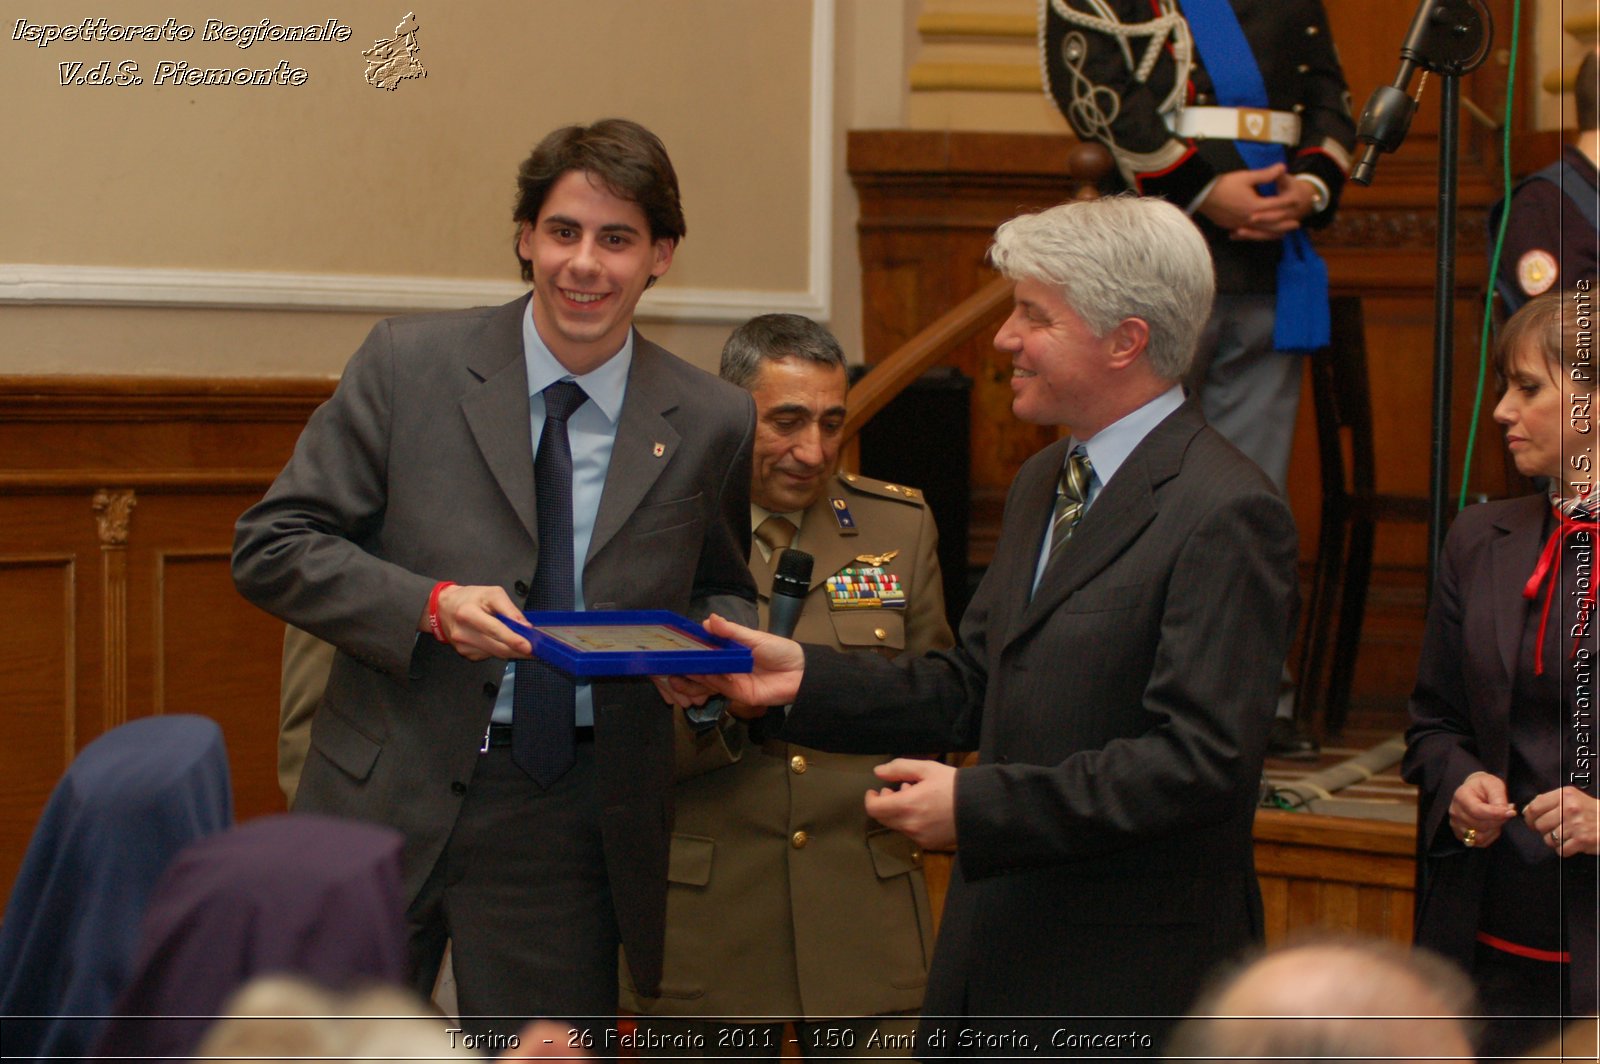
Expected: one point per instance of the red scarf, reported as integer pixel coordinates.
(1548, 574)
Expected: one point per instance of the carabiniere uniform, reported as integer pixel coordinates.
(1125, 73)
(786, 900)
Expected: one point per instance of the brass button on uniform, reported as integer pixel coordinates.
(880, 633)
(799, 839)
(797, 764)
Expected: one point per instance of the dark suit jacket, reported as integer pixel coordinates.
(1461, 721)
(420, 469)
(1104, 857)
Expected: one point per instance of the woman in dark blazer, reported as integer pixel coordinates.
(1502, 736)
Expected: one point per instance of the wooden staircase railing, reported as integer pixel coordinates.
(1086, 165)
(922, 352)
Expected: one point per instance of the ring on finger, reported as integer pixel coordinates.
(1469, 838)
(1555, 836)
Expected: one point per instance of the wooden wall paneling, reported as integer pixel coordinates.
(216, 655)
(117, 503)
(1335, 874)
(37, 665)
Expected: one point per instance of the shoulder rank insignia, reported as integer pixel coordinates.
(865, 587)
(841, 514)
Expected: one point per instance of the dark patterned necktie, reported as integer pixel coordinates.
(543, 711)
(1071, 496)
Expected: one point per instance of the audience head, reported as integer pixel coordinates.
(795, 371)
(623, 156)
(293, 894)
(1542, 365)
(1332, 1000)
(1116, 258)
(278, 1017)
(1578, 1042)
(129, 802)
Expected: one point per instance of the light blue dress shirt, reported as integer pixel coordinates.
(1108, 449)
(592, 432)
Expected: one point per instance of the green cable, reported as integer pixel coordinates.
(1494, 260)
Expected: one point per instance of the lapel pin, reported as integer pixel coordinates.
(659, 450)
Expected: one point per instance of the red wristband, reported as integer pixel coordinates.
(433, 609)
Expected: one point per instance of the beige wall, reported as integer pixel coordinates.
(136, 214)
(1562, 30)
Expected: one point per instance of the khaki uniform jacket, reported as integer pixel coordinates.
(785, 898)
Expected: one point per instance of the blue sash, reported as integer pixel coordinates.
(1301, 321)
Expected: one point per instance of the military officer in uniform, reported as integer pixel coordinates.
(307, 661)
(786, 901)
(1237, 112)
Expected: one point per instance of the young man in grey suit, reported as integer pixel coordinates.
(470, 465)
(1116, 671)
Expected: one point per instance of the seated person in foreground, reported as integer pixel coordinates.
(1334, 999)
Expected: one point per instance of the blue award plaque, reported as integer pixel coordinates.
(628, 643)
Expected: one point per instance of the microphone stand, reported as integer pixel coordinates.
(1449, 38)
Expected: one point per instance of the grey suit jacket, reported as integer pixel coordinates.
(420, 469)
(1104, 857)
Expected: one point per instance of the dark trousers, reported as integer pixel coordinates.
(1521, 1001)
(521, 891)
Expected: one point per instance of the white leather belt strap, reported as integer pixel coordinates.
(1236, 123)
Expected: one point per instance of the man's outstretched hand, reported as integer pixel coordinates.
(779, 663)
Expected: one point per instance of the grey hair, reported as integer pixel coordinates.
(1114, 258)
(775, 336)
(1334, 998)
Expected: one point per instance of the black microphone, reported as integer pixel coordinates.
(789, 587)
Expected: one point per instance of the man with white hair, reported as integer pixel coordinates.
(1116, 670)
(1332, 1000)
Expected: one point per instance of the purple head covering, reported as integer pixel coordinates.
(296, 894)
(128, 803)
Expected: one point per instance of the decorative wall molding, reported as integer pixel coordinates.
(1403, 227)
(975, 77)
(47, 284)
(113, 511)
(978, 24)
(135, 286)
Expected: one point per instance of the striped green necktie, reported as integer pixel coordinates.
(1071, 495)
